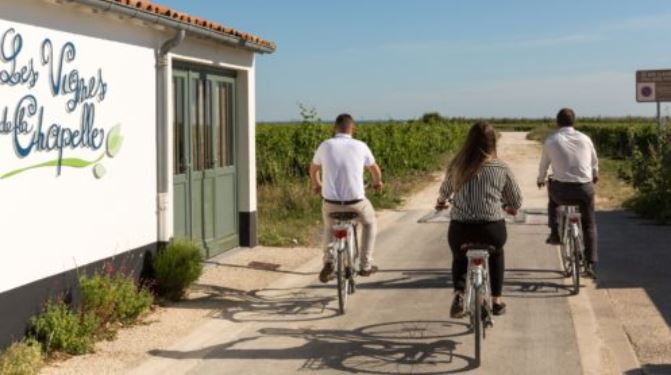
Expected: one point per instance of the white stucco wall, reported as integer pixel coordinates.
(52, 223)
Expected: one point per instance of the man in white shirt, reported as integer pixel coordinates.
(342, 160)
(575, 169)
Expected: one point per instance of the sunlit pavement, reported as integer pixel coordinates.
(398, 322)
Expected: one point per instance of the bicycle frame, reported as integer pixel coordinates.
(477, 277)
(478, 297)
(572, 246)
(569, 221)
(344, 233)
(570, 225)
(346, 253)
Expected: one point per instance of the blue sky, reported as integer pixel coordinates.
(380, 59)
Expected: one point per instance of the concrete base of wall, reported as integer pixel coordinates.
(18, 305)
(248, 237)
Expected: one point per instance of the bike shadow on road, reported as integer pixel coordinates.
(535, 283)
(260, 305)
(518, 283)
(316, 301)
(405, 347)
(420, 278)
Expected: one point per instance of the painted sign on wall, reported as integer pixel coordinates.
(27, 121)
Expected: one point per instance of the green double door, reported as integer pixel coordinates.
(204, 169)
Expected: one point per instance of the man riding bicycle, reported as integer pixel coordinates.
(575, 169)
(342, 160)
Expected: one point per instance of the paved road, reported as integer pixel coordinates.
(397, 322)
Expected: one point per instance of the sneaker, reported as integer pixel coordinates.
(590, 270)
(457, 309)
(368, 272)
(553, 239)
(326, 272)
(499, 308)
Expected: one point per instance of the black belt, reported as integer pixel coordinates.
(343, 203)
(569, 183)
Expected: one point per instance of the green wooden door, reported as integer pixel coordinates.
(205, 184)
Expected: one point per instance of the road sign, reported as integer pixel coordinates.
(653, 85)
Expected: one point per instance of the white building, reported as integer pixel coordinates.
(123, 124)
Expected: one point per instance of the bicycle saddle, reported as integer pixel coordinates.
(477, 246)
(343, 216)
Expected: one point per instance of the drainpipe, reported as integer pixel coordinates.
(162, 130)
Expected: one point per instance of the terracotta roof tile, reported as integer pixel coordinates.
(149, 6)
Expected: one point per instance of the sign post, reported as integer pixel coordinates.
(654, 86)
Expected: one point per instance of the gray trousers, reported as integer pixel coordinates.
(368, 222)
(582, 195)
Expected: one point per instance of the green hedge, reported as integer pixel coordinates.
(285, 150)
(619, 140)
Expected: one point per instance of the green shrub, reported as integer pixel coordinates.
(177, 267)
(58, 328)
(619, 140)
(22, 358)
(650, 174)
(113, 298)
(432, 117)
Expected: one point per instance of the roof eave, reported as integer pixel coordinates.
(152, 17)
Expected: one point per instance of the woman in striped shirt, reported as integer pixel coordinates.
(480, 187)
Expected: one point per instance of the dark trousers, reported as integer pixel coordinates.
(491, 233)
(582, 195)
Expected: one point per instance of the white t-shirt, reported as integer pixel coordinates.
(572, 156)
(343, 160)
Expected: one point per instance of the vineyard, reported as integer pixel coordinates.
(410, 151)
(288, 210)
(285, 151)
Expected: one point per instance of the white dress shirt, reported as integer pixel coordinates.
(343, 159)
(571, 155)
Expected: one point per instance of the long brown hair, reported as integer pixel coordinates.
(480, 146)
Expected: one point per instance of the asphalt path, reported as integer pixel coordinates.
(398, 321)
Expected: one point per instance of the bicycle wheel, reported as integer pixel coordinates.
(565, 252)
(477, 323)
(343, 281)
(575, 272)
(582, 264)
(353, 263)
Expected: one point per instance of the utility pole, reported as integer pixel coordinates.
(659, 118)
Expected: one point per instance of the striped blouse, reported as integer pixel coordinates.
(481, 199)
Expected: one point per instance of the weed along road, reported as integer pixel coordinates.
(398, 320)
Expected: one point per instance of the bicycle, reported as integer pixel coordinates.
(346, 245)
(571, 244)
(478, 296)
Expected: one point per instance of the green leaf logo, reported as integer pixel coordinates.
(114, 141)
(99, 171)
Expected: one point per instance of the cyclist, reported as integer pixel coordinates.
(575, 170)
(479, 184)
(342, 160)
